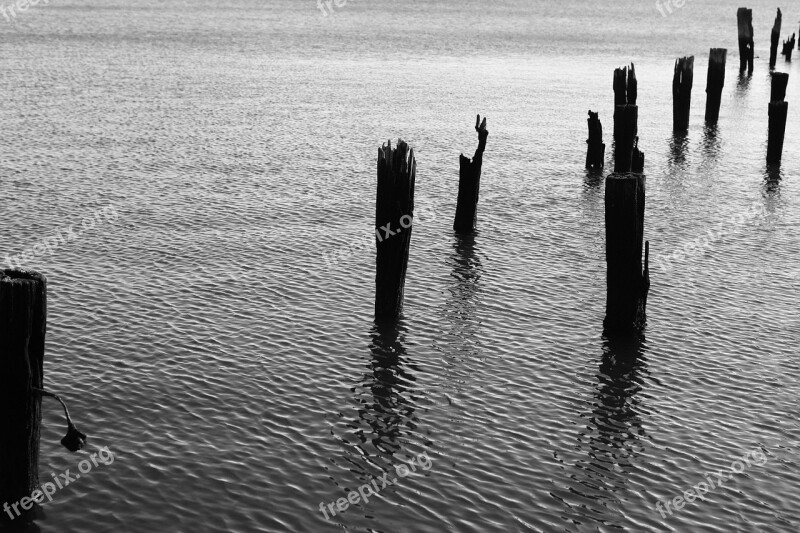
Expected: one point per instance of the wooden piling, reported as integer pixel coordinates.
(777, 117)
(714, 83)
(788, 47)
(596, 151)
(625, 89)
(394, 212)
(627, 283)
(469, 181)
(774, 39)
(23, 318)
(744, 19)
(682, 93)
(626, 119)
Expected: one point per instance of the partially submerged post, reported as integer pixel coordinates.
(777, 117)
(788, 46)
(627, 283)
(775, 37)
(714, 83)
(682, 93)
(469, 181)
(23, 318)
(624, 201)
(394, 213)
(595, 153)
(744, 18)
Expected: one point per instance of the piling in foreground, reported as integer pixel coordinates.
(682, 79)
(714, 83)
(775, 37)
(469, 182)
(23, 318)
(394, 212)
(596, 151)
(627, 283)
(744, 18)
(777, 117)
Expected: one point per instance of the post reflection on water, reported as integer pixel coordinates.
(612, 438)
(461, 346)
(383, 431)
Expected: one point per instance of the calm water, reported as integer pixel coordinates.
(240, 382)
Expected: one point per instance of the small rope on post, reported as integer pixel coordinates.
(74, 440)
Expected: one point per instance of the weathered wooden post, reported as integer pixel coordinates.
(627, 283)
(469, 182)
(23, 318)
(394, 216)
(626, 121)
(682, 93)
(744, 18)
(714, 83)
(775, 37)
(788, 46)
(595, 153)
(777, 117)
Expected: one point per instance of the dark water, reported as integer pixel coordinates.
(240, 381)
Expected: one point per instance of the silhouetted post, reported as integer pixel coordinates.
(626, 118)
(682, 93)
(775, 37)
(744, 18)
(625, 89)
(394, 216)
(777, 116)
(469, 182)
(627, 283)
(788, 46)
(714, 83)
(595, 153)
(23, 318)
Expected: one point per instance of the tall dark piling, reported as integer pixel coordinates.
(596, 151)
(23, 318)
(775, 37)
(624, 201)
(744, 17)
(394, 215)
(788, 46)
(777, 117)
(469, 181)
(714, 83)
(682, 93)
(627, 283)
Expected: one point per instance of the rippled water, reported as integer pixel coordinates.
(240, 382)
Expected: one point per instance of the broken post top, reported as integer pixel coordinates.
(625, 86)
(779, 82)
(744, 17)
(397, 159)
(483, 133)
(595, 128)
(684, 73)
